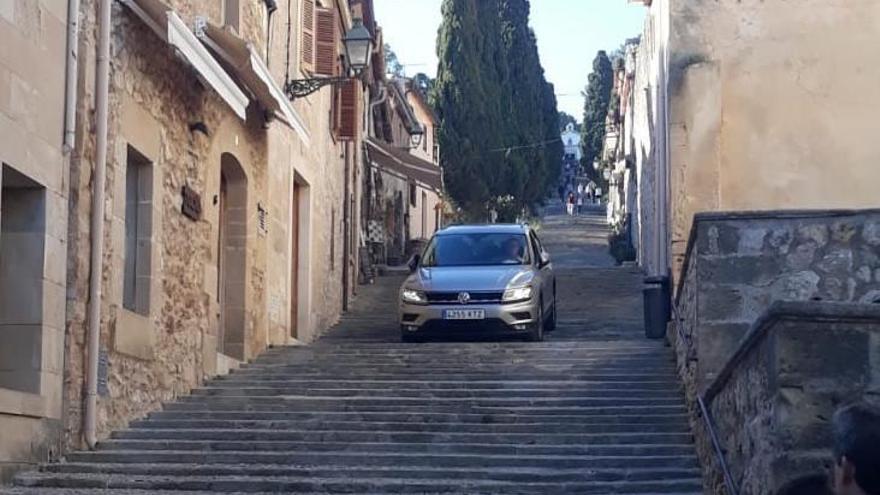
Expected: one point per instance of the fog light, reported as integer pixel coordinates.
(520, 326)
(411, 328)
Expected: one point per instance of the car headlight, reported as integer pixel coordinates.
(517, 294)
(413, 296)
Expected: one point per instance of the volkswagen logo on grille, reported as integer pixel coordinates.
(464, 297)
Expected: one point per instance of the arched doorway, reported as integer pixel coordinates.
(232, 257)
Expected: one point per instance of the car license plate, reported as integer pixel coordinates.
(464, 314)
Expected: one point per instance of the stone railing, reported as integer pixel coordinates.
(738, 264)
(770, 404)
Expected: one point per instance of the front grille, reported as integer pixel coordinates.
(476, 297)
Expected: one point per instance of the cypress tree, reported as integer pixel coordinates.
(597, 97)
(497, 110)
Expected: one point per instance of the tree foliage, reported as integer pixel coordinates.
(565, 119)
(392, 63)
(499, 127)
(597, 96)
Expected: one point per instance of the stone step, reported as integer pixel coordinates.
(432, 408)
(647, 417)
(304, 401)
(632, 457)
(455, 366)
(667, 377)
(226, 484)
(663, 444)
(418, 472)
(680, 426)
(171, 438)
(463, 393)
(403, 384)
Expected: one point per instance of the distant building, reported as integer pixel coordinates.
(571, 140)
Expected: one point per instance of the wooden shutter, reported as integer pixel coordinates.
(308, 35)
(325, 41)
(348, 110)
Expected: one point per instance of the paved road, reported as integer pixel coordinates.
(594, 409)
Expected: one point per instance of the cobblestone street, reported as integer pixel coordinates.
(595, 408)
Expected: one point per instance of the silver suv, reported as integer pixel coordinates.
(475, 278)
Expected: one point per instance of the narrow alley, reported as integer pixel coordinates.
(596, 408)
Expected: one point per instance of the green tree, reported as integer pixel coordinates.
(565, 119)
(392, 63)
(597, 96)
(499, 123)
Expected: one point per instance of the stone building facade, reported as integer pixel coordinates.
(766, 107)
(34, 158)
(403, 186)
(230, 219)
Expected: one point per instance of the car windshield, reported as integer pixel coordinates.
(476, 249)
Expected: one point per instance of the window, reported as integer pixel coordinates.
(231, 14)
(138, 233)
(22, 255)
(477, 249)
(412, 194)
(425, 140)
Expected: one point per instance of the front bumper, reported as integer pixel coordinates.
(518, 317)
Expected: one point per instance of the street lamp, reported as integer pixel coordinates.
(358, 48)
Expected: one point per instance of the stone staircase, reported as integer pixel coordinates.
(566, 417)
(595, 409)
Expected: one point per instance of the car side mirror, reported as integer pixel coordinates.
(545, 259)
(414, 262)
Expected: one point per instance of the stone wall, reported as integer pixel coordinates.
(737, 264)
(754, 88)
(33, 230)
(166, 350)
(772, 402)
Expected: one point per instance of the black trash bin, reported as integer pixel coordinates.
(657, 306)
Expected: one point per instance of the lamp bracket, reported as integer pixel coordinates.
(299, 88)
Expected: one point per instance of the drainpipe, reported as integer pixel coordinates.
(383, 95)
(97, 221)
(346, 231)
(71, 76)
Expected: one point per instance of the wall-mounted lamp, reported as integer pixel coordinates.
(358, 47)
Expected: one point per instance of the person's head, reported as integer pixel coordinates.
(856, 433)
(512, 247)
(811, 484)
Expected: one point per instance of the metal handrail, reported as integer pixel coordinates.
(716, 445)
(729, 483)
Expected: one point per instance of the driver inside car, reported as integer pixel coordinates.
(513, 251)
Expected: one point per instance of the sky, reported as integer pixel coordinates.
(569, 34)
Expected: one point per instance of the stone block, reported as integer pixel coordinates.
(802, 256)
(739, 269)
(797, 286)
(837, 262)
(721, 303)
(134, 335)
(833, 357)
(719, 239)
(816, 232)
(751, 240)
(54, 305)
(717, 342)
(871, 233)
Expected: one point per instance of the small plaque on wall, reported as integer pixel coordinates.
(192, 204)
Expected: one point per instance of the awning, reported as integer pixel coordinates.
(385, 156)
(171, 28)
(246, 65)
